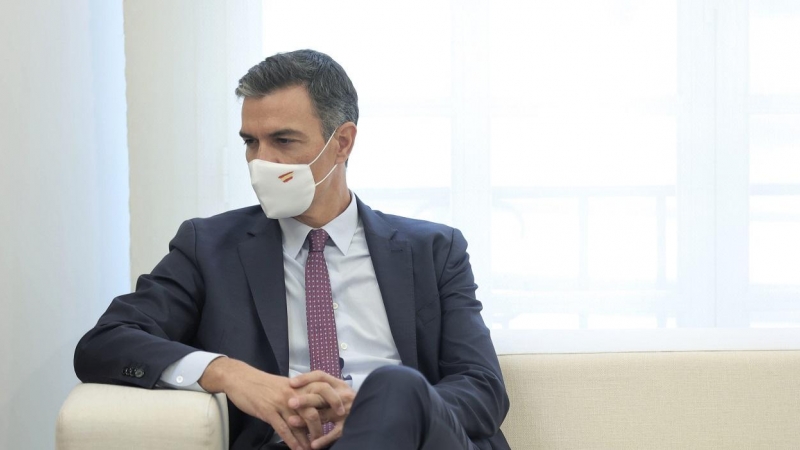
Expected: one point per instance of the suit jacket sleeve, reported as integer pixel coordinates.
(471, 382)
(143, 332)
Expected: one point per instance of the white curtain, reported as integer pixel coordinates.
(615, 165)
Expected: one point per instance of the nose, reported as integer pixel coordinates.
(264, 153)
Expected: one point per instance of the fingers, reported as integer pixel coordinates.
(330, 438)
(295, 438)
(319, 395)
(267, 396)
(325, 416)
(312, 400)
(302, 438)
(296, 421)
(312, 421)
(315, 376)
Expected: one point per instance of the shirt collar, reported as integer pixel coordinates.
(341, 230)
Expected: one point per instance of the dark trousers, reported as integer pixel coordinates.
(397, 409)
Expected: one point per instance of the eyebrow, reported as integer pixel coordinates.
(283, 132)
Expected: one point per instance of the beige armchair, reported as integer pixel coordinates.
(105, 417)
(650, 400)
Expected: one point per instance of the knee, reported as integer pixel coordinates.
(403, 383)
(397, 377)
(404, 388)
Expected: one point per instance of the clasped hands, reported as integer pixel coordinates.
(319, 398)
(295, 407)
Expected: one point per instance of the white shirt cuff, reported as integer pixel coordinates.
(185, 372)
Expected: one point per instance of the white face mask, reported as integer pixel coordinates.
(285, 190)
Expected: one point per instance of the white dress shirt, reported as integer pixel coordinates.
(365, 339)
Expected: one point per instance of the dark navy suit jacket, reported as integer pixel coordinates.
(221, 289)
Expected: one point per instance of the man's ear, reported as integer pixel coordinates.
(346, 138)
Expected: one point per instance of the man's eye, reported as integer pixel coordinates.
(249, 142)
(282, 141)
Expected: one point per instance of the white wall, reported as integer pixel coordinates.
(184, 59)
(67, 225)
(63, 196)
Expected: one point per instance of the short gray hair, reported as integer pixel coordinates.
(332, 93)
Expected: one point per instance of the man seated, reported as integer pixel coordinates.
(326, 324)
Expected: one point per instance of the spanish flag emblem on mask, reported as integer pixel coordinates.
(286, 177)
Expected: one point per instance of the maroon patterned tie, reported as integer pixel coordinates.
(323, 345)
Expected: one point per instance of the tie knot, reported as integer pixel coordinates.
(317, 240)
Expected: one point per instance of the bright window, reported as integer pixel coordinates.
(613, 164)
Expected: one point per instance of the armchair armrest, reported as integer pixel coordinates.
(100, 417)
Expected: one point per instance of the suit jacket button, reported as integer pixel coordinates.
(139, 373)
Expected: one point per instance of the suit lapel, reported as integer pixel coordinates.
(262, 258)
(391, 257)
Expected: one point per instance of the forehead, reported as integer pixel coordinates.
(288, 107)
